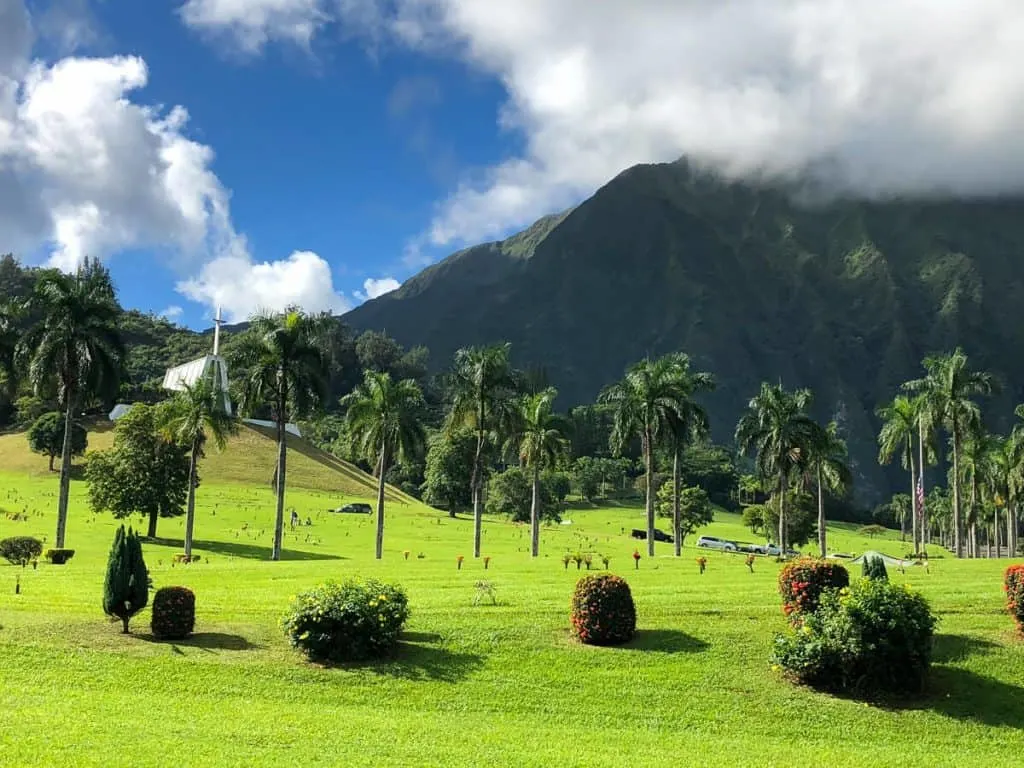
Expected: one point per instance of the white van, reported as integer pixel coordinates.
(710, 542)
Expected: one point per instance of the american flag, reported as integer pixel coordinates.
(920, 499)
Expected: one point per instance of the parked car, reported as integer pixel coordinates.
(659, 535)
(356, 509)
(710, 542)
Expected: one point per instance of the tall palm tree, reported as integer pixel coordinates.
(195, 415)
(900, 425)
(284, 367)
(482, 387)
(385, 419)
(829, 462)
(777, 427)
(540, 442)
(75, 349)
(649, 395)
(975, 455)
(949, 387)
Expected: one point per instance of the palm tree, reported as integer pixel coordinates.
(75, 349)
(975, 454)
(540, 442)
(482, 387)
(829, 462)
(9, 337)
(900, 424)
(284, 367)
(651, 393)
(384, 418)
(195, 415)
(948, 388)
(776, 426)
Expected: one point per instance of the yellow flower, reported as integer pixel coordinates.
(775, 667)
(382, 598)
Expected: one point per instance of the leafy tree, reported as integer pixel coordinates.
(144, 472)
(447, 478)
(800, 520)
(692, 506)
(540, 442)
(754, 516)
(713, 468)
(901, 511)
(46, 436)
(828, 462)
(587, 477)
(511, 493)
(558, 483)
(74, 349)
(652, 393)
(378, 352)
(776, 426)
(195, 415)
(126, 586)
(948, 389)
(284, 366)
(482, 387)
(384, 417)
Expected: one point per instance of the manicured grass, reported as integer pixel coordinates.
(485, 685)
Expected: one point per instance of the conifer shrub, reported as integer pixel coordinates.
(802, 583)
(1013, 584)
(874, 568)
(58, 556)
(870, 638)
(174, 613)
(347, 621)
(126, 586)
(20, 550)
(603, 612)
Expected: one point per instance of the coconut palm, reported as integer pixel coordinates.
(540, 442)
(828, 461)
(975, 471)
(73, 349)
(900, 426)
(194, 416)
(284, 367)
(482, 387)
(948, 389)
(778, 429)
(384, 419)
(643, 402)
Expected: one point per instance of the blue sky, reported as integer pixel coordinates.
(257, 153)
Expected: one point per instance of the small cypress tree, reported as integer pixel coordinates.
(874, 568)
(126, 587)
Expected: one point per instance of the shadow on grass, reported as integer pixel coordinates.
(246, 551)
(964, 695)
(207, 641)
(665, 641)
(414, 659)
(952, 648)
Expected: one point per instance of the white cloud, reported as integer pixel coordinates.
(243, 287)
(253, 23)
(374, 287)
(172, 312)
(873, 97)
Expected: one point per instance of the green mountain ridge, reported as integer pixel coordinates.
(845, 298)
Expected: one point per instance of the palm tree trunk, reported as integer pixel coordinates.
(822, 543)
(282, 459)
(476, 483)
(958, 547)
(535, 513)
(676, 521)
(925, 529)
(190, 510)
(782, 514)
(382, 465)
(649, 462)
(65, 471)
(995, 532)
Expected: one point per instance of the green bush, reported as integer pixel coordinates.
(174, 613)
(802, 583)
(59, 556)
(349, 621)
(1014, 586)
(20, 550)
(603, 612)
(873, 637)
(874, 568)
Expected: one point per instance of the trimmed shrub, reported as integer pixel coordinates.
(873, 637)
(603, 612)
(174, 613)
(350, 621)
(20, 550)
(58, 556)
(802, 583)
(1014, 586)
(874, 568)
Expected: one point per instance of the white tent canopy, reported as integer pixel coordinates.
(888, 560)
(213, 366)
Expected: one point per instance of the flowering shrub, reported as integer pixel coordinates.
(636, 558)
(174, 613)
(1014, 586)
(349, 621)
(603, 612)
(869, 638)
(802, 583)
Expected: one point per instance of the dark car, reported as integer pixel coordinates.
(356, 509)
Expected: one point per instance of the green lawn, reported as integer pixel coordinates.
(486, 685)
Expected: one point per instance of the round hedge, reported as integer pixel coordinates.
(350, 621)
(174, 613)
(603, 612)
(804, 581)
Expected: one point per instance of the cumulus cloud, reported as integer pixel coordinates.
(243, 287)
(253, 23)
(374, 287)
(870, 97)
(172, 312)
